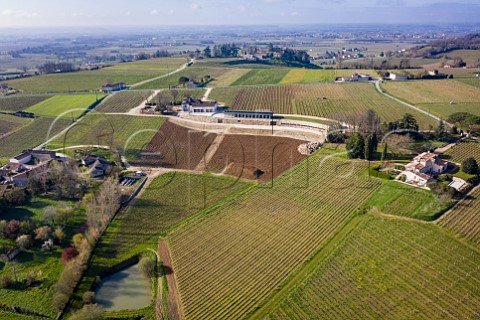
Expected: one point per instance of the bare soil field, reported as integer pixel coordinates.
(174, 146)
(255, 157)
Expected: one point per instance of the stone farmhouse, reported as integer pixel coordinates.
(19, 168)
(424, 168)
(355, 78)
(112, 87)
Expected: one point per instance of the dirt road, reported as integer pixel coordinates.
(173, 302)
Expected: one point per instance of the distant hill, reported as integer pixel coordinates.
(434, 48)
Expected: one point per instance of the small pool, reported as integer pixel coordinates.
(126, 289)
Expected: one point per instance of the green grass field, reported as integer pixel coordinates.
(389, 269)
(130, 73)
(231, 258)
(128, 134)
(261, 76)
(403, 200)
(66, 106)
(20, 103)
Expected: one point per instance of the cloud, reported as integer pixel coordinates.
(294, 13)
(154, 12)
(241, 8)
(391, 3)
(19, 14)
(128, 14)
(195, 7)
(171, 12)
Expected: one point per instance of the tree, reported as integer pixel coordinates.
(11, 231)
(68, 254)
(146, 266)
(89, 297)
(183, 80)
(356, 146)
(207, 52)
(89, 312)
(470, 165)
(335, 134)
(77, 240)
(370, 146)
(384, 152)
(369, 123)
(24, 241)
(174, 94)
(43, 233)
(16, 197)
(49, 214)
(59, 234)
(162, 101)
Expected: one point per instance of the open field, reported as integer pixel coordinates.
(472, 82)
(228, 260)
(30, 136)
(261, 76)
(127, 134)
(241, 155)
(390, 269)
(130, 73)
(10, 123)
(434, 96)
(305, 75)
(175, 146)
(404, 200)
(471, 57)
(463, 150)
(62, 104)
(343, 102)
(196, 73)
(464, 218)
(20, 103)
(123, 101)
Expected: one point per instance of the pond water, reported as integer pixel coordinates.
(126, 289)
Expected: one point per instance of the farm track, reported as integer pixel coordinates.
(211, 151)
(159, 77)
(137, 110)
(173, 304)
(377, 86)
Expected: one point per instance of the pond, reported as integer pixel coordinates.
(126, 289)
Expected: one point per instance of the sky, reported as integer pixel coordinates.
(48, 13)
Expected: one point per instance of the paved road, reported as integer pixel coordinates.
(377, 86)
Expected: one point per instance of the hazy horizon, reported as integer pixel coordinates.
(145, 13)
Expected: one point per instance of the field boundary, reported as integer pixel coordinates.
(174, 310)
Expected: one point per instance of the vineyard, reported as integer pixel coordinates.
(463, 150)
(30, 136)
(464, 218)
(123, 101)
(343, 102)
(62, 104)
(435, 96)
(9, 123)
(390, 269)
(125, 133)
(230, 259)
(20, 103)
(175, 146)
(261, 76)
(229, 77)
(130, 73)
(255, 157)
(193, 73)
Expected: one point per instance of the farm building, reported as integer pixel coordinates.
(200, 107)
(423, 168)
(355, 78)
(397, 77)
(241, 114)
(112, 87)
(98, 166)
(29, 156)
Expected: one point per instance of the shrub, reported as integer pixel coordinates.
(89, 297)
(59, 300)
(146, 265)
(5, 281)
(470, 165)
(11, 231)
(59, 234)
(24, 241)
(68, 254)
(89, 312)
(42, 233)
